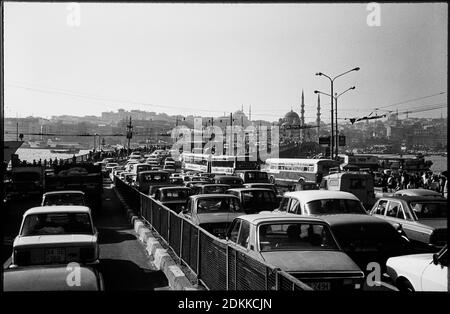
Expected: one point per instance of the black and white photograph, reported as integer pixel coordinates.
(180, 147)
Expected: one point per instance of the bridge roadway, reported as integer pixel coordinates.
(123, 261)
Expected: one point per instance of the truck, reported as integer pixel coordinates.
(26, 180)
(85, 177)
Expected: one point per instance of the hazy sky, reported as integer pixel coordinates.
(209, 59)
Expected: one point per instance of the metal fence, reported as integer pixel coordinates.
(215, 263)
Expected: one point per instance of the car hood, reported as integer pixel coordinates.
(44, 240)
(311, 261)
(217, 217)
(413, 264)
(437, 223)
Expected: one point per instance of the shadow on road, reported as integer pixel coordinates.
(126, 275)
(107, 236)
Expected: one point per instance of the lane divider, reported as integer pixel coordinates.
(158, 256)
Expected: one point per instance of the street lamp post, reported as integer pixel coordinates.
(336, 96)
(332, 99)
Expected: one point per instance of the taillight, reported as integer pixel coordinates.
(87, 254)
(22, 257)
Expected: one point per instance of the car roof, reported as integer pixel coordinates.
(153, 171)
(409, 198)
(267, 216)
(250, 189)
(48, 277)
(313, 195)
(58, 209)
(418, 192)
(211, 184)
(215, 195)
(174, 188)
(63, 192)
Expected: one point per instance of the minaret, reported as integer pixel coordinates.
(302, 118)
(318, 116)
(302, 111)
(250, 113)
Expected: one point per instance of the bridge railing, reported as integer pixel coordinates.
(216, 264)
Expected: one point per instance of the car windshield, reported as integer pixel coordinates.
(429, 209)
(334, 206)
(26, 176)
(230, 180)
(152, 177)
(295, 236)
(57, 224)
(63, 199)
(217, 204)
(262, 200)
(214, 189)
(173, 194)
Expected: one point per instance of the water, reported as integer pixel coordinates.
(30, 154)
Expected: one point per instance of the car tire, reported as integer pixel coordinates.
(404, 285)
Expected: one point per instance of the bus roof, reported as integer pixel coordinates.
(298, 160)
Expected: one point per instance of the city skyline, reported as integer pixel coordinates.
(207, 59)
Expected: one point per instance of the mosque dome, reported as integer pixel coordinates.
(291, 118)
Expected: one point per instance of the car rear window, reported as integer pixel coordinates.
(263, 200)
(63, 199)
(181, 194)
(429, 209)
(214, 205)
(335, 206)
(57, 224)
(295, 236)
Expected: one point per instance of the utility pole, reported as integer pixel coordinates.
(129, 134)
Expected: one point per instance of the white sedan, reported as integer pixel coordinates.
(420, 272)
(55, 235)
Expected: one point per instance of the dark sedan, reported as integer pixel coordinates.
(174, 197)
(255, 200)
(423, 219)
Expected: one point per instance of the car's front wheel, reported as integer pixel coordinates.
(404, 285)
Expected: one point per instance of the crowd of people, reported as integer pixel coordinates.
(392, 182)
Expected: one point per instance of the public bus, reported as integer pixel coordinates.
(221, 164)
(288, 171)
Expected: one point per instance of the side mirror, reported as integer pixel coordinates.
(435, 259)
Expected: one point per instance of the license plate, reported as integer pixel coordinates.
(57, 255)
(320, 285)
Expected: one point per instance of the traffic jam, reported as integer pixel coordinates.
(331, 227)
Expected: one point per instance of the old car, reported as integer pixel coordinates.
(52, 278)
(420, 272)
(173, 197)
(263, 186)
(305, 185)
(232, 181)
(63, 198)
(110, 166)
(254, 200)
(302, 246)
(252, 176)
(56, 234)
(423, 219)
(363, 237)
(418, 192)
(209, 188)
(212, 212)
(148, 178)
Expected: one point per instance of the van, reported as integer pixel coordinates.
(360, 184)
